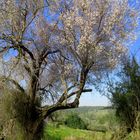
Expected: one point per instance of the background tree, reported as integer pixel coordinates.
(126, 96)
(52, 50)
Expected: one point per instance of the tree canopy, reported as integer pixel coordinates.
(59, 45)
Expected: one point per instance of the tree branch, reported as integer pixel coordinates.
(46, 110)
(20, 45)
(74, 93)
(14, 82)
(4, 49)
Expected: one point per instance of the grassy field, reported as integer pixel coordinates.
(97, 119)
(66, 133)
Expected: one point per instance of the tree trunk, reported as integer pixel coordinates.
(34, 131)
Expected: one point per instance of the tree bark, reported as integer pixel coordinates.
(34, 131)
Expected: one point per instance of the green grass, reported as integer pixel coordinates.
(66, 133)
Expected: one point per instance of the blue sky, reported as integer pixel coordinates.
(95, 98)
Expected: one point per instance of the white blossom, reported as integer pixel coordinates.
(102, 29)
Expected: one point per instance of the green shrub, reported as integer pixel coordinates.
(126, 96)
(17, 114)
(74, 121)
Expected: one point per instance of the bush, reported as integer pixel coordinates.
(16, 115)
(74, 121)
(126, 96)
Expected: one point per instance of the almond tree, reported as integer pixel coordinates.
(57, 48)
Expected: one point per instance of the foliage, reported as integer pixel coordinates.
(74, 121)
(16, 115)
(9, 115)
(126, 96)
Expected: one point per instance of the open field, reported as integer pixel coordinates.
(66, 133)
(98, 120)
